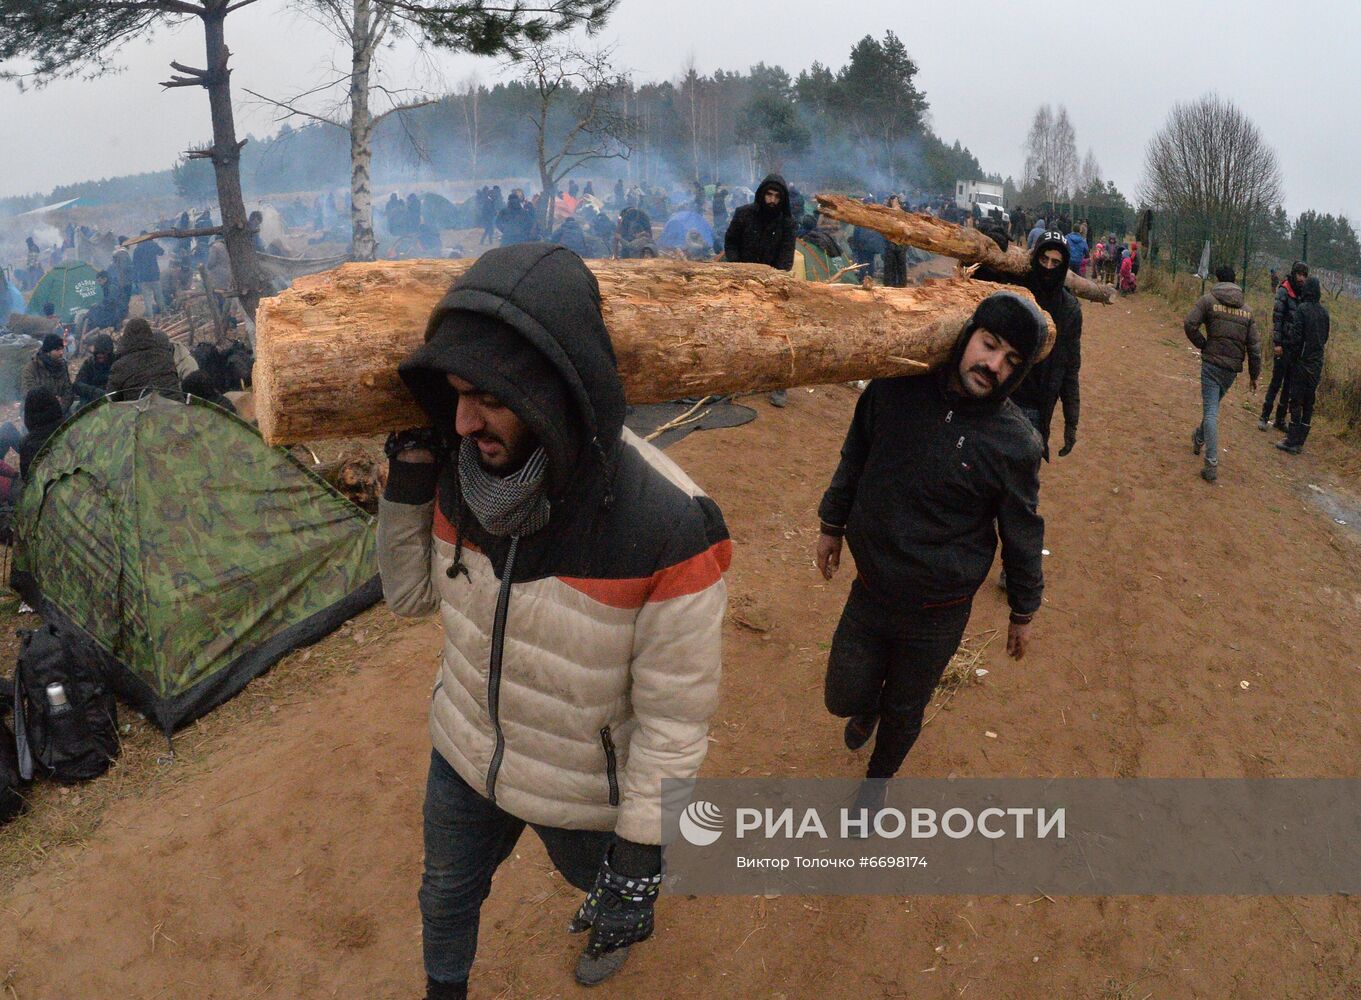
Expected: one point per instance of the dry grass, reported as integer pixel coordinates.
(962, 670)
(59, 817)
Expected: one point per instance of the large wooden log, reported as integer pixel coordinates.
(969, 246)
(327, 349)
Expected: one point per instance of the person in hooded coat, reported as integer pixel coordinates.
(43, 414)
(47, 370)
(578, 574)
(763, 232)
(144, 360)
(1230, 337)
(933, 470)
(1057, 378)
(1305, 345)
(1286, 302)
(92, 380)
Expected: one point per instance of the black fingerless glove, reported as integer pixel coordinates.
(416, 437)
(617, 910)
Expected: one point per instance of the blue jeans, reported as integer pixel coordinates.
(1214, 383)
(466, 838)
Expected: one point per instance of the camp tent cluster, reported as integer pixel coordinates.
(193, 554)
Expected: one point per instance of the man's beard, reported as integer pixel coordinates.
(988, 374)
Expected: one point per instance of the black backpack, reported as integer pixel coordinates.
(70, 743)
(11, 802)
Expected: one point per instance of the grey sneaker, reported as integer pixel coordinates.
(859, 729)
(1197, 442)
(779, 397)
(1210, 473)
(592, 971)
(1262, 424)
(1288, 448)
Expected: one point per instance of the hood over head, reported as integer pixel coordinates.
(1016, 320)
(524, 324)
(1050, 280)
(138, 336)
(1228, 294)
(1312, 290)
(774, 182)
(102, 344)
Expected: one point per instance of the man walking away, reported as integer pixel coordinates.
(1305, 347)
(933, 469)
(1282, 315)
(146, 272)
(578, 575)
(1230, 336)
(763, 233)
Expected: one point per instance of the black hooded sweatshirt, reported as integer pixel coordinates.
(549, 359)
(762, 235)
(1056, 377)
(1307, 337)
(925, 473)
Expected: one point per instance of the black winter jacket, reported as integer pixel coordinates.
(925, 474)
(1283, 311)
(1056, 378)
(1308, 335)
(758, 235)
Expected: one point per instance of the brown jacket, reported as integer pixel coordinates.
(1230, 330)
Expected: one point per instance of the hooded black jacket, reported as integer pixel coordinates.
(759, 235)
(924, 474)
(1057, 376)
(92, 381)
(1308, 335)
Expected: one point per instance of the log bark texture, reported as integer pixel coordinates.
(969, 246)
(327, 349)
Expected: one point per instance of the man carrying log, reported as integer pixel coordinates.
(764, 233)
(934, 468)
(1057, 376)
(578, 575)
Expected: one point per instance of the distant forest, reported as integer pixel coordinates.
(863, 126)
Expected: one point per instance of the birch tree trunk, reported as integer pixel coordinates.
(364, 34)
(328, 348)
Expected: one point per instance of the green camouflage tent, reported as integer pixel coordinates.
(194, 555)
(69, 286)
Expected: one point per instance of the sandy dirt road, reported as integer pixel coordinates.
(288, 867)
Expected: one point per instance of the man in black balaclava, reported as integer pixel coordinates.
(763, 233)
(1055, 378)
(934, 468)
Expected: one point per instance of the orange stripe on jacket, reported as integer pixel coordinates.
(690, 576)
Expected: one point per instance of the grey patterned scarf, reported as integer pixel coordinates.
(504, 505)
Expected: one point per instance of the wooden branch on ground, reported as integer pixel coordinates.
(969, 246)
(327, 349)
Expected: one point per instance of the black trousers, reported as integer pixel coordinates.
(1303, 388)
(887, 660)
(1280, 383)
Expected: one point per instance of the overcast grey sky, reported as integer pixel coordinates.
(984, 66)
